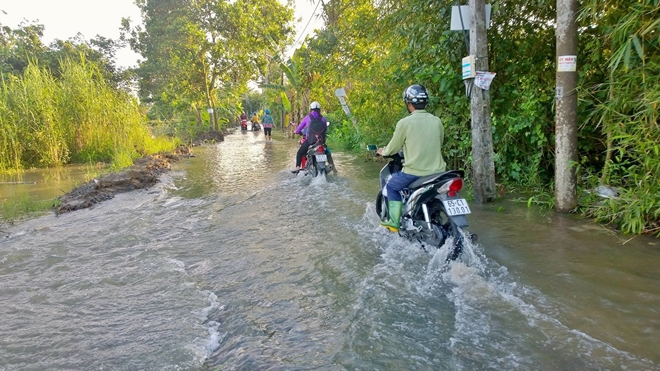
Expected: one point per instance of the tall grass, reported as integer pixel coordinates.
(31, 135)
(78, 117)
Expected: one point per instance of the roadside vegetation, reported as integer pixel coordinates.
(375, 51)
(77, 117)
(69, 103)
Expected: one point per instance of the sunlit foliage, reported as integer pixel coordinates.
(376, 48)
(200, 54)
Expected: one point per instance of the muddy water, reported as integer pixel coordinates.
(45, 184)
(234, 263)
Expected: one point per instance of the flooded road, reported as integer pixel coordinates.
(234, 263)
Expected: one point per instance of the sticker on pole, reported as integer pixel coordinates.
(567, 63)
(483, 79)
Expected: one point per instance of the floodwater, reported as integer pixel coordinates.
(234, 263)
(45, 184)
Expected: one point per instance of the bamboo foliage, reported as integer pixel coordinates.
(630, 115)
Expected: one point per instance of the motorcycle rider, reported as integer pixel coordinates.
(314, 127)
(267, 124)
(243, 121)
(421, 136)
(254, 120)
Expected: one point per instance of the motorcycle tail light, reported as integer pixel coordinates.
(455, 186)
(321, 149)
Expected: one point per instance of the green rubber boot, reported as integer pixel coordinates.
(394, 208)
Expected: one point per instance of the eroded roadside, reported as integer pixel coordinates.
(143, 174)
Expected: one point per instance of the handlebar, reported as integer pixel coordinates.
(374, 148)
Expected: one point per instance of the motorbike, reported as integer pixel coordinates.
(256, 126)
(433, 211)
(315, 161)
(243, 126)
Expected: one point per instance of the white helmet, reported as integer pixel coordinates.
(315, 106)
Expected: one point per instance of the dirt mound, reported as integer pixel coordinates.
(143, 174)
(211, 136)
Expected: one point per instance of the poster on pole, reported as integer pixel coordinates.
(483, 79)
(567, 63)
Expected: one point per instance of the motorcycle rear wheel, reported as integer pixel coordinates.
(311, 168)
(439, 217)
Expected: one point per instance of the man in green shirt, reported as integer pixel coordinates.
(421, 135)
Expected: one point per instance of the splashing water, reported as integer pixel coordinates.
(232, 262)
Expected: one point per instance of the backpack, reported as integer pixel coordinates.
(267, 120)
(316, 130)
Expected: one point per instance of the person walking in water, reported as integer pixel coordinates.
(267, 123)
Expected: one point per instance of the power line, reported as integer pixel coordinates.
(308, 22)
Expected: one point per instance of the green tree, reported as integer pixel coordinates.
(193, 49)
(18, 46)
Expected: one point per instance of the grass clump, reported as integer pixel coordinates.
(77, 117)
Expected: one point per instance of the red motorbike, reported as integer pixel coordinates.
(315, 161)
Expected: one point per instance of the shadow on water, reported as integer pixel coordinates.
(234, 263)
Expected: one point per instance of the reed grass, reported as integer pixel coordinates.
(78, 117)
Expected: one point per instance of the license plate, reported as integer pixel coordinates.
(321, 158)
(456, 207)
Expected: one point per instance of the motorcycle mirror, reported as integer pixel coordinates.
(372, 147)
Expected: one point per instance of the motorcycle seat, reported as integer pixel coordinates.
(313, 148)
(437, 177)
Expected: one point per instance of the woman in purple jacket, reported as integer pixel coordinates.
(313, 127)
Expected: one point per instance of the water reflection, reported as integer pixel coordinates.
(239, 165)
(46, 184)
(604, 284)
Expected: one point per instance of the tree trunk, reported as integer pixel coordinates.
(566, 107)
(198, 115)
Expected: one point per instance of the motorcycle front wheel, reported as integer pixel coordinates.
(381, 206)
(439, 217)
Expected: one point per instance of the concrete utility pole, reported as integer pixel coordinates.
(566, 107)
(483, 165)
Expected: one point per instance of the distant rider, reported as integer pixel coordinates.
(267, 123)
(244, 121)
(421, 135)
(313, 127)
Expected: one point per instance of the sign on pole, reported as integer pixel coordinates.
(341, 94)
(464, 11)
(567, 63)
